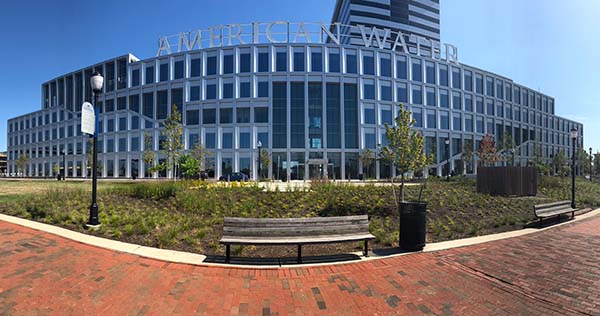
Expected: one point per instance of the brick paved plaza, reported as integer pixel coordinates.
(552, 272)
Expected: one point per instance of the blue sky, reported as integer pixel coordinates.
(547, 45)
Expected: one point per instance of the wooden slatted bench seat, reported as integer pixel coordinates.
(295, 231)
(553, 209)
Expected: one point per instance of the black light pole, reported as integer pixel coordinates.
(574, 135)
(259, 146)
(447, 142)
(591, 173)
(97, 81)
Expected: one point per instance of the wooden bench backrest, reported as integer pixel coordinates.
(295, 227)
(554, 205)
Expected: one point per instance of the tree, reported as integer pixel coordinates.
(508, 147)
(200, 153)
(559, 164)
(488, 154)
(171, 145)
(149, 156)
(582, 159)
(22, 162)
(190, 166)
(367, 157)
(265, 161)
(468, 154)
(538, 161)
(597, 165)
(405, 148)
(55, 168)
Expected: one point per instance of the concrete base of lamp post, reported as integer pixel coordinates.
(92, 227)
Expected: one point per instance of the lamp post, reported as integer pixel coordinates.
(64, 164)
(591, 173)
(447, 142)
(97, 81)
(574, 134)
(259, 146)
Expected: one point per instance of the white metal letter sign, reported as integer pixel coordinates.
(88, 119)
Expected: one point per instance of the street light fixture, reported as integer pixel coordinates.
(574, 134)
(447, 142)
(96, 81)
(259, 146)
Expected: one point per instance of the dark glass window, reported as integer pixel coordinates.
(279, 115)
(386, 93)
(417, 71)
(192, 117)
(263, 138)
(444, 98)
(369, 116)
(368, 65)
(430, 96)
(479, 83)
(351, 64)
(211, 140)
(456, 122)
(148, 99)
(149, 75)
(122, 123)
(418, 117)
(194, 93)
(209, 116)
(350, 115)
(417, 95)
(161, 105)
(135, 122)
(490, 107)
(456, 84)
(242, 115)
(316, 61)
(227, 90)
(244, 140)
(196, 67)
(444, 120)
(298, 137)
(370, 140)
(263, 89)
(334, 62)
(177, 99)
(508, 92)
(401, 68)
(121, 74)
(135, 77)
(263, 62)
(385, 67)
(468, 76)
(479, 105)
(333, 108)
(468, 123)
(244, 89)
(164, 72)
(369, 91)
(489, 86)
(228, 64)
(499, 89)
(499, 109)
(245, 62)
(226, 115)
(281, 61)
(261, 115)
(299, 61)
(211, 65)
(121, 103)
(402, 92)
(109, 81)
(386, 117)
(430, 72)
(468, 103)
(456, 100)
(431, 119)
(134, 103)
(227, 142)
(444, 75)
(178, 71)
(211, 91)
(109, 106)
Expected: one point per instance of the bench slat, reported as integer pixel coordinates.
(553, 209)
(554, 204)
(300, 231)
(295, 240)
(296, 224)
(242, 220)
(556, 212)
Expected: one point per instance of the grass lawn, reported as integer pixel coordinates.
(189, 216)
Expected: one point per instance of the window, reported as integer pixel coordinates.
(334, 62)
(369, 91)
(368, 65)
(479, 124)
(456, 122)
(456, 84)
(401, 67)
(468, 77)
(209, 116)
(192, 117)
(244, 89)
(386, 117)
(299, 61)
(263, 89)
(508, 92)
(468, 123)
(122, 144)
(416, 70)
(489, 86)
(226, 116)
(121, 103)
(444, 98)
(210, 140)
(227, 90)
(456, 100)
(149, 75)
(499, 109)
(228, 64)
(444, 120)
(508, 112)
(370, 140)
(499, 89)
(479, 83)
(164, 72)
(242, 115)
(369, 116)
(281, 61)
(244, 140)
(195, 93)
(122, 123)
(135, 144)
(109, 106)
(468, 103)
(490, 107)
(211, 65)
(261, 115)
(135, 122)
(263, 62)
(148, 105)
(316, 61)
(227, 141)
(418, 116)
(263, 137)
(386, 92)
(178, 71)
(402, 93)
(443, 75)
(479, 105)
(417, 95)
(297, 121)
(196, 67)
(161, 105)
(192, 140)
(244, 62)
(135, 77)
(517, 93)
(350, 64)
(385, 66)
(431, 119)
(430, 96)
(211, 91)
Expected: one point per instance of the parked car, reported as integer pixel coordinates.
(235, 176)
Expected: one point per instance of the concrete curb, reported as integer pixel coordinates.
(196, 259)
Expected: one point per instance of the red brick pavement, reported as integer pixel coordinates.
(555, 272)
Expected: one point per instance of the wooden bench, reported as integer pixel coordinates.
(553, 209)
(295, 231)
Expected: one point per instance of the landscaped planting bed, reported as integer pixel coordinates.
(189, 216)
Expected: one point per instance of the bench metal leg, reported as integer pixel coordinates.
(573, 214)
(227, 253)
(366, 251)
(299, 253)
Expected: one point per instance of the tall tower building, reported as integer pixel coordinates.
(418, 17)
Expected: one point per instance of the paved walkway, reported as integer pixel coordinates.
(554, 272)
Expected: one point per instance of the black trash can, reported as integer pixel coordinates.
(413, 224)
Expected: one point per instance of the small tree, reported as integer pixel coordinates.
(367, 157)
(538, 161)
(265, 161)
(172, 145)
(22, 162)
(597, 165)
(508, 147)
(404, 149)
(149, 156)
(55, 169)
(468, 154)
(559, 164)
(190, 166)
(488, 154)
(200, 153)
